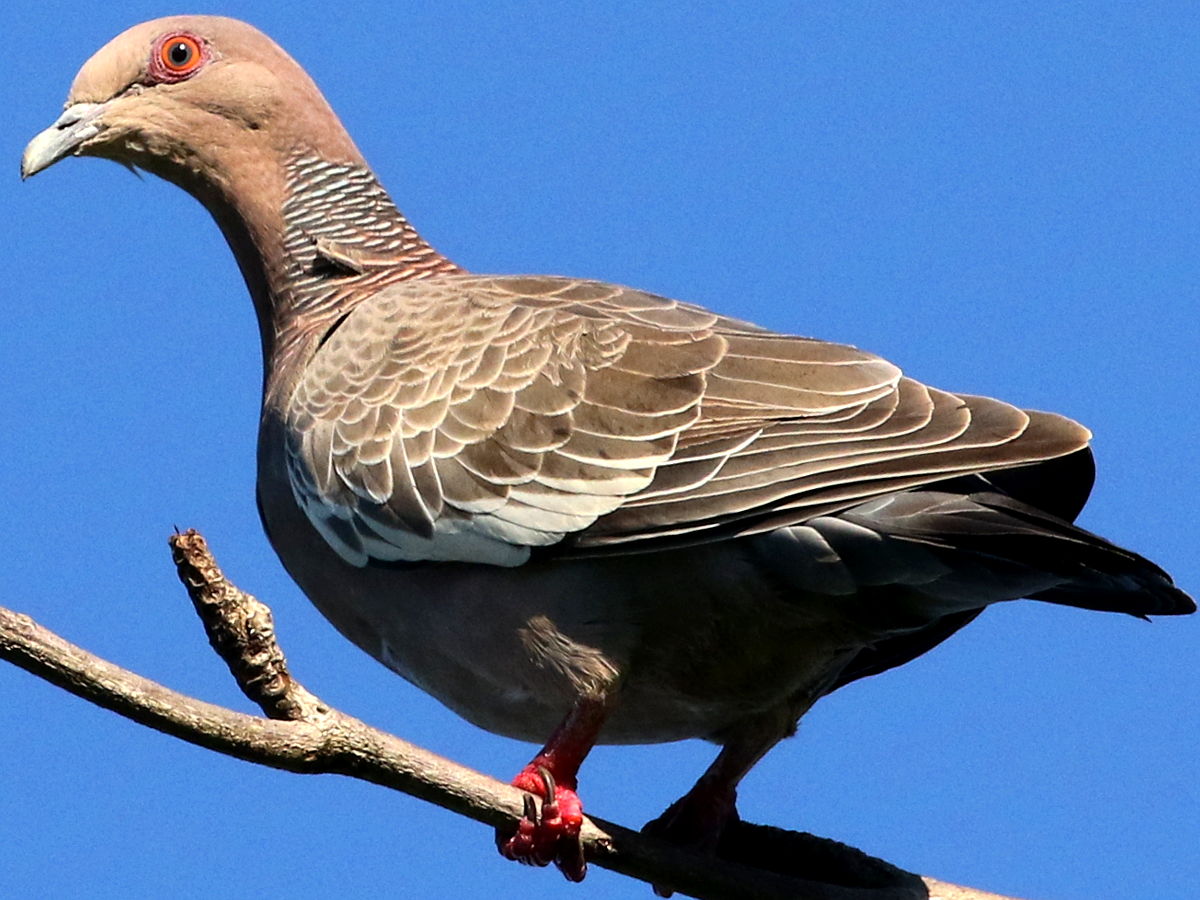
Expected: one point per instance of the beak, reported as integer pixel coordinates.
(77, 124)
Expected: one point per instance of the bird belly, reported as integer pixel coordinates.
(690, 641)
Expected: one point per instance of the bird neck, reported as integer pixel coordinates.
(314, 238)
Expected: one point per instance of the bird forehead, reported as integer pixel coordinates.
(124, 60)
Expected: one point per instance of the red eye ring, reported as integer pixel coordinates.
(177, 56)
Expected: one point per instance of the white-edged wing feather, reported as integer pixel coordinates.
(473, 418)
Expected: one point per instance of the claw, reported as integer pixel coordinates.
(571, 861)
(531, 809)
(547, 782)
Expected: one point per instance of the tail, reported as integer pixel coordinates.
(987, 535)
(1060, 562)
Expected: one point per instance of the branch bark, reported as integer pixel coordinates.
(300, 733)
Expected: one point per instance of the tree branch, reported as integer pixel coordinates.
(302, 734)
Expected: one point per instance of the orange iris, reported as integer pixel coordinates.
(180, 54)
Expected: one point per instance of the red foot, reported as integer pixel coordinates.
(551, 836)
(696, 821)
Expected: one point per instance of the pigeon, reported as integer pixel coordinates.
(572, 511)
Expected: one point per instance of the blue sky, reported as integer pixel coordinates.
(1001, 198)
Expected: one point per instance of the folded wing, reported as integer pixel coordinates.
(472, 418)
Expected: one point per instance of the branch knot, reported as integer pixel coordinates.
(242, 631)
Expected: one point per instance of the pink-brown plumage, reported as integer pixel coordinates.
(547, 500)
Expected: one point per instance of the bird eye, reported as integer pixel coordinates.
(175, 57)
(180, 54)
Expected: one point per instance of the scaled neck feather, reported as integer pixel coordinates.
(313, 238)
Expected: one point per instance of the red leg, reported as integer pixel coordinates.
(553, 834)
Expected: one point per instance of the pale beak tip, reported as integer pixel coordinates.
(65, 137)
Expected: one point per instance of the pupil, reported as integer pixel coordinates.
(180, 53)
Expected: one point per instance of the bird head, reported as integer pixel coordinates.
(190, 98)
